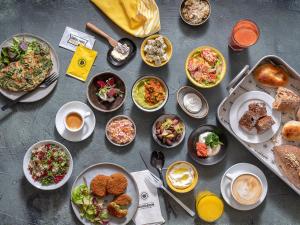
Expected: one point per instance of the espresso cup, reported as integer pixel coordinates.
(246, 188)
(74, 121)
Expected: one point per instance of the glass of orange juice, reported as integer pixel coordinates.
(209, 206)
(244, 34)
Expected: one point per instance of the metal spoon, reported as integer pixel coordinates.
(158, 161)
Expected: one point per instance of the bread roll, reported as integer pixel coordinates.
(271, 76)
(286, 100)
(291, 131)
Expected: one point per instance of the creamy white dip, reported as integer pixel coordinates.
(120, 52)
(210, 151)
(181, 175)
(192, 102)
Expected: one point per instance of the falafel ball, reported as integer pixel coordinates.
(123, 200)
(115, 210)
(117, 184)
(99, 184)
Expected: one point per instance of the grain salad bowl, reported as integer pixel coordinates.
(38, 184)
(189, 22)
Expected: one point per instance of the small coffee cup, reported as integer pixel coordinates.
(246, 188)
(74, 121)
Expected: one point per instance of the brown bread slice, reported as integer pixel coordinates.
(258, 108)
(264, 124)
(248, 121)
(287, 158)
(286, 100)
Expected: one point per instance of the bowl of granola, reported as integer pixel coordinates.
(195, 12)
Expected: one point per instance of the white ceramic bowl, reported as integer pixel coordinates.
(37, 184)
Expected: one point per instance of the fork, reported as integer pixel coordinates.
(46, 83)
(154, 180)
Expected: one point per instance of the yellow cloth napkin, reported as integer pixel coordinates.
(139, 18)
(81, 63)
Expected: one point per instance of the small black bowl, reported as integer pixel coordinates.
(132, 52)
(193, 138)
(93, 88)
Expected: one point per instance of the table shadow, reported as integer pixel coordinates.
(39, 202)
(161, 72)
(22, 106)
(73, 147)
(193, 31)
(121, 150)
(237, 61)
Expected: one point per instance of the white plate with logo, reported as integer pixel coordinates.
(40, 93)
(87, 129)
(240, 106)
(236, 170)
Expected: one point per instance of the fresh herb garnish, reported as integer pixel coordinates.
(13, 53)
(212, 140)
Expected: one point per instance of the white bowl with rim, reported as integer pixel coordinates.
(37, 184)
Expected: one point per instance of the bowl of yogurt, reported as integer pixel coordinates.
(207, 145)
(192, 102)
(182, 176)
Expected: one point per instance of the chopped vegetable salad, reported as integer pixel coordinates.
(48, 164)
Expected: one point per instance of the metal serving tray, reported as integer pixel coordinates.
(245, 82)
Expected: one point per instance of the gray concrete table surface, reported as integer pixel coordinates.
(21, 203)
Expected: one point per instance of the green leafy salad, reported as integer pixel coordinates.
(212, 140)
(91, 208)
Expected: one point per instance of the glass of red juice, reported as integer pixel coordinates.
(244, 34)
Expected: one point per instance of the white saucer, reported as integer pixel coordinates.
(226, 185)
(88, 127)
(240, 106)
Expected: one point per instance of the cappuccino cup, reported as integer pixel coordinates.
(246, 188)
(74, 121)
